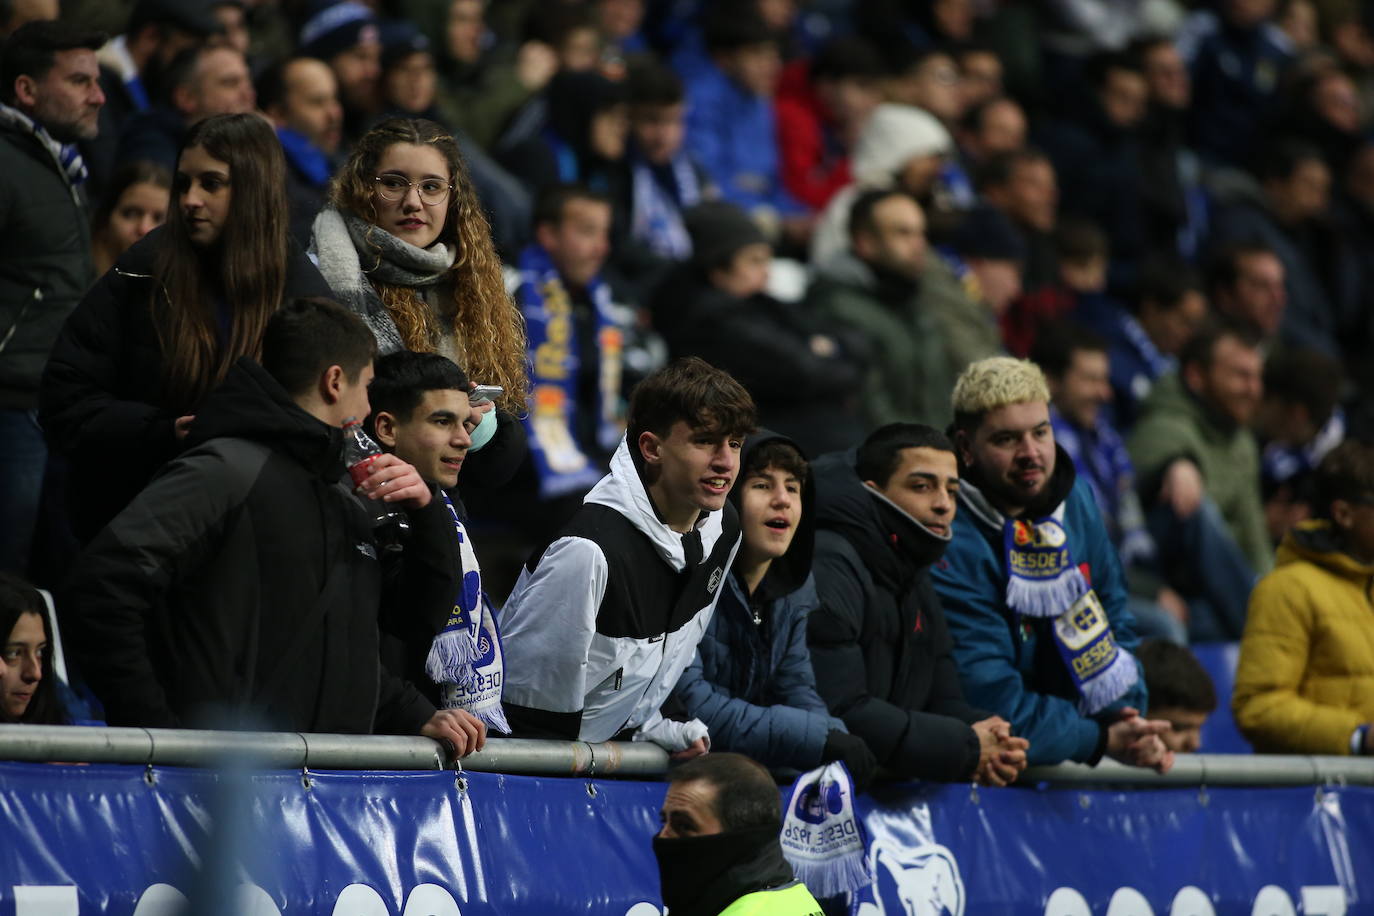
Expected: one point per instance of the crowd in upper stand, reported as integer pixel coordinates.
(869, 376)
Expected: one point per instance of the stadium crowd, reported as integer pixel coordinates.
(900, 382)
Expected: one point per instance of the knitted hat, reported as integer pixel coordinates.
(192, 16)
(987, 233)
(719, 229)
(400, 38)
(336, 27)
(893, 136)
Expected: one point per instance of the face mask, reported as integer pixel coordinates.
(691, 869)
(484, 431)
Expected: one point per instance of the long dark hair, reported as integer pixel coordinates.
(18, 598)
(489, 332)
(246, 269)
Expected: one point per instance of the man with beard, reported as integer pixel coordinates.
(49, 86)
(718, 851)
(1032, 589)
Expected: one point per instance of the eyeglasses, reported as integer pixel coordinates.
(395, 187)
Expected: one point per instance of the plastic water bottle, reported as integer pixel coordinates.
(389, 522)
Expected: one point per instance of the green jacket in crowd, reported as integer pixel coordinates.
(1176, 424)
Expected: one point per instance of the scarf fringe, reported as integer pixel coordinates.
(1046, 597)
(495, 717)
(832, 877)
(1106, 688)
(451, 657)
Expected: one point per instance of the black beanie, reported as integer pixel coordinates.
(718, 230)
(987, 233)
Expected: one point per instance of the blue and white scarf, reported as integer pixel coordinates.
(65, 155)
(657, 212)
(822, 836)
(559, 459)
(466, 660)
(1043, 581)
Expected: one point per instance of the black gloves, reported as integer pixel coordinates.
(854, 753)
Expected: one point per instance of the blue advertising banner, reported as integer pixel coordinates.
(125, 840)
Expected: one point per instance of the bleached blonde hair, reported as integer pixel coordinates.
(995, 382)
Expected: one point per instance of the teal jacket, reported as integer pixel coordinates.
(1010, 664)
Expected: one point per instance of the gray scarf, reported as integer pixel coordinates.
(352, 252)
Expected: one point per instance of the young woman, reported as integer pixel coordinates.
(134, 205)
(28, 692)
(158, 331)
(404, 243)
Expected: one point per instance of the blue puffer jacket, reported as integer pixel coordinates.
(1011, 664)
(752, 684)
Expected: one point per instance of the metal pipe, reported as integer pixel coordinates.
(284, 750)
(1214, 770)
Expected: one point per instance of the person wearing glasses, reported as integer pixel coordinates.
(405, 244)
(160, 330)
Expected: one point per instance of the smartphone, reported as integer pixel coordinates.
(483, 393)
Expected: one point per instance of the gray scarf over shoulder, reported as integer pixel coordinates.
(352, 252)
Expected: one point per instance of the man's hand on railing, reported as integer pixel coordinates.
(459, 731)
(1134, 740)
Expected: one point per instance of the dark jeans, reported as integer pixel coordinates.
(23, 455)
(1200, 560)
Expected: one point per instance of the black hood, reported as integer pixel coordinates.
(788, 572)
(894, 545)
(250, 404)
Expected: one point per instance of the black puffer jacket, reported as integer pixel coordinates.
(241, 588)
(45, 261)
(879, 643)
(103, 403)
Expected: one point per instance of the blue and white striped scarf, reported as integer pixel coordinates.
(65, 155)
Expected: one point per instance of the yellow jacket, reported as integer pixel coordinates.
(1306, 675)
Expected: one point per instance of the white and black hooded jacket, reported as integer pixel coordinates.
(602, 624)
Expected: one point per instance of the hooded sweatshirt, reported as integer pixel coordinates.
(1305, 680)
(879, 644)
(604, 620)
(241, 588)
(751, 681)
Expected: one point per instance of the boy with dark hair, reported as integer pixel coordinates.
(879, 643)
(422, 413)
(241, 587)
(751, 681)
(604, 620)
(1181, 692)
(1305, 682)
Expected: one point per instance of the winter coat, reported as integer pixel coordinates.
(1306, 676)
(733, 134)
(879, 642)
(241, 588)
(45, 261)
(103, 391)
(1175, 424)
(751, 681)
(604, 620)
(766, 345)
(1010, 663)
(908, 376)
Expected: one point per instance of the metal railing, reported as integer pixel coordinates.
(282, 750)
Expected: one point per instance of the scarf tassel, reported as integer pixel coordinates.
(1102, 691)
(1046, 597)
(451, 657)
(832, 877)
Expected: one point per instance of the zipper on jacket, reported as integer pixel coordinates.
(19, 319)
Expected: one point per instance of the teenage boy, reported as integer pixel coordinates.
(604, 620)
(1181, 692)
(751, 681)
(241, 587)
(1031, 584)
(879, 642)
(421, 413)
